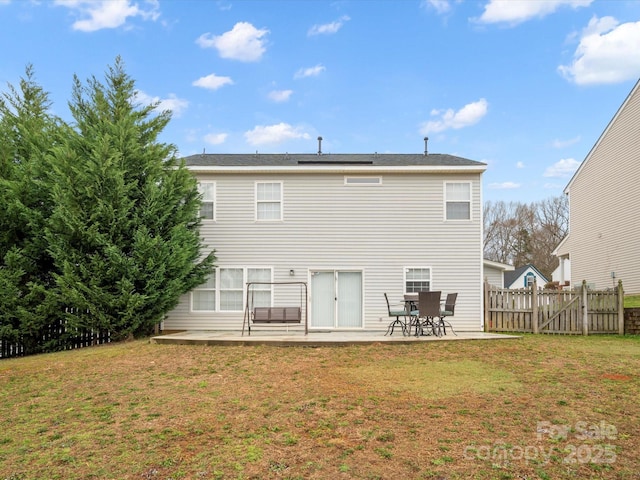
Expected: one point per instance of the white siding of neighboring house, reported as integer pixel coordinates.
(494, 276)
(562, 273)
(604, 205)
(494, 273)
(379, 230)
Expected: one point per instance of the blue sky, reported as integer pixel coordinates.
(525, 86)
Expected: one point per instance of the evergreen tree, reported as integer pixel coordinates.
(124, 233)
(27, 291)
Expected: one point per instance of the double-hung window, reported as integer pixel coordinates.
(457, 200)
(231, 283)
(225, 290)
(417, 279)
(260, 292)
(203, 297)
(207, 208)
(268, 201)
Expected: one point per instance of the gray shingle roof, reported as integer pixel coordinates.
(512, 276)
(288, 159)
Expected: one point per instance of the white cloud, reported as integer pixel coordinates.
(280, 95)
(98, 14)
(468, 115)
(607, 53)
(514, 12)
(310, 72)
(563, 168)
(504, 186)
(557, 143)
(328, 28)
(272, 134)
(215, 138)
(212, 82)
(440, 6)
(243, 42)
(520, 165)
(173, 103)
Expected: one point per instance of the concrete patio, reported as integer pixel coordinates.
(313, 339)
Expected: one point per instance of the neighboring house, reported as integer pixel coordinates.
(603, 244)
(523, 277)
(494, 272)
(562, 273)
(352, 226)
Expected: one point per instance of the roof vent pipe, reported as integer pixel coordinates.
(319, 145)
(426, 140)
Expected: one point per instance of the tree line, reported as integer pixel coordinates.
(518, 233)
(99, 221)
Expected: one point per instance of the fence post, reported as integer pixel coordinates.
(585, 309)
(620, 308)
(487, 319)
(534, 306)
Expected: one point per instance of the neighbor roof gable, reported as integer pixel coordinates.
(512, 276)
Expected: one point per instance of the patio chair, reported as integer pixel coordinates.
(447, 311)
(429, 314)
(398, 312)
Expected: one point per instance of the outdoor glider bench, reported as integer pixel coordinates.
(275, 316)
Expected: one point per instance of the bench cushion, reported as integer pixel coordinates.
(277, 315)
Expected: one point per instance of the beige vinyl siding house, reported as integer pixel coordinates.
(603, 245)
(352, 226)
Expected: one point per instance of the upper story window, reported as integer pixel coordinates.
(207, 208)
(457, 200)
(417, 279)
(269, 201)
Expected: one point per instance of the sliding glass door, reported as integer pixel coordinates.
(336, 299)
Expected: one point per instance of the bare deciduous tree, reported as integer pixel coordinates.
(519, 233)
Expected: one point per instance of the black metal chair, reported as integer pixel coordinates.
(411, 302)
(428, 312)
(397, 313)
(448, 311)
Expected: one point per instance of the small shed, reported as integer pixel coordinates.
(523, 277)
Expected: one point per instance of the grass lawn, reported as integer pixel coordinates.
(540, 407)
(632, 301)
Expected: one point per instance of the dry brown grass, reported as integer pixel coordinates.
(537, 407)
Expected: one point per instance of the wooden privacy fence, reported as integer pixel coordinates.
(53, 337)
(579, 311)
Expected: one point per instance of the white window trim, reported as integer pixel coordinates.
(362, 181)
(218, 288)
(405, 270)
(444, 203)
(255, 196)
(214, 201)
